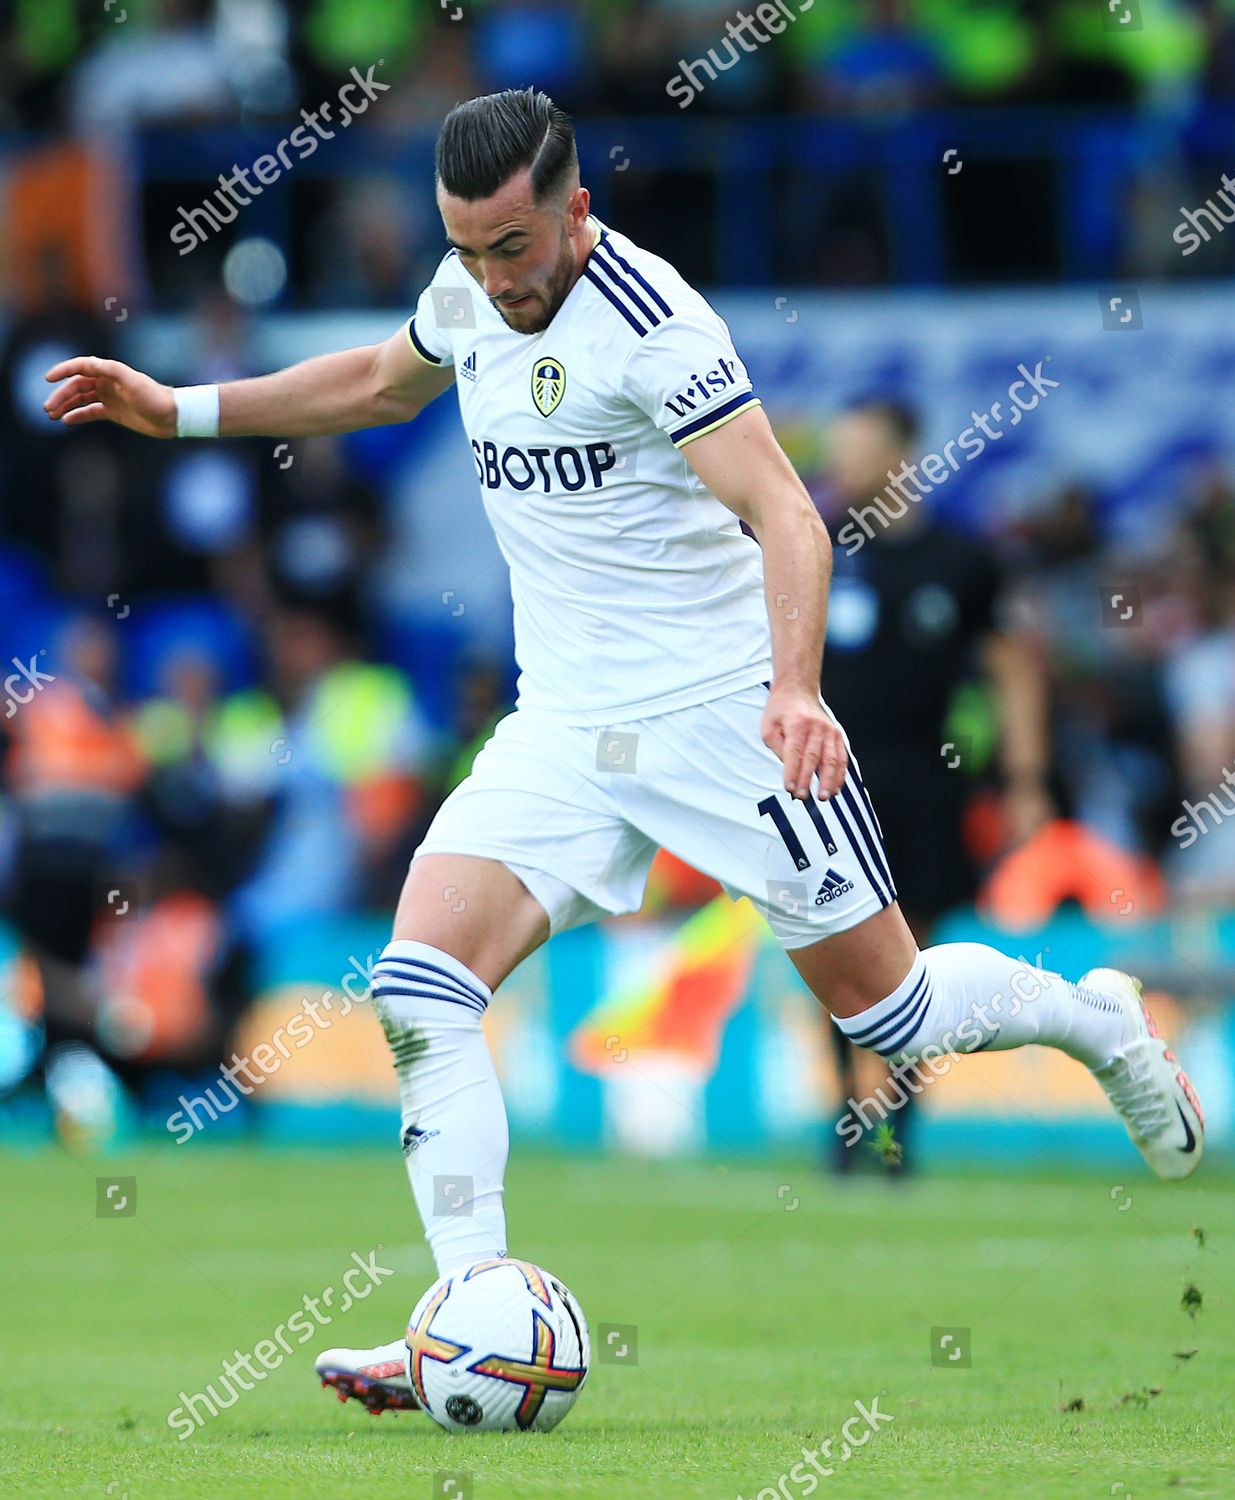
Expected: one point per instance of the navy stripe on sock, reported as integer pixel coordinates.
(420, 964)
(888, 1046)
(409, 972)
(409, 984)
(380, 991)
(861, 1035)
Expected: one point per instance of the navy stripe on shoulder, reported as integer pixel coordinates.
(639, 277)
(621, 306)
(624, 285)
(424, 353)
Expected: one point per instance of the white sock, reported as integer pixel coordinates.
(966, 997)
(454, 1121)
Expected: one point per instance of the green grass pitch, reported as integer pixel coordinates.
(767, 1301)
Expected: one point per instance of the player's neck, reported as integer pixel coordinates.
(588, 241)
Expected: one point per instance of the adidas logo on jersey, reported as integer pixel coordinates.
(834, 886)
(468, 368)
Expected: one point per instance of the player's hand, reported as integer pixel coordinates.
(104, 390)
(809, 743)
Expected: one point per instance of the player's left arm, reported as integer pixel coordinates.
(744, 466)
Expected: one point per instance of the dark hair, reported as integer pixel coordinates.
(484, 142)
(899, 416)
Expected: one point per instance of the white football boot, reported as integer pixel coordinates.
(376, 1377)
(1150, 1091)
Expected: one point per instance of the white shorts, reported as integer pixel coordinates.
(579, 813)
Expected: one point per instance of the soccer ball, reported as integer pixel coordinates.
(499, 1346)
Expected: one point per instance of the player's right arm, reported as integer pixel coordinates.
(368, 386)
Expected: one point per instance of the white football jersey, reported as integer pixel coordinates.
(635, 590)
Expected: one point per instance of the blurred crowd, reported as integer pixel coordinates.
(86, 65)
(1137, 644)
(199, 763)
(206, 741)
(1013, 80)
(1144, 708)
(210, 727)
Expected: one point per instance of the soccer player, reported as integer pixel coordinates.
(670, 670)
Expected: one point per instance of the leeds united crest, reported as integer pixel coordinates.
(548, 385)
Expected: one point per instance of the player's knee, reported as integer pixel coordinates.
(475, 910)
(855, 969)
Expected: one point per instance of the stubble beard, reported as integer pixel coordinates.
(550, 301)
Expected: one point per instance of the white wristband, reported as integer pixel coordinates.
(197, 410)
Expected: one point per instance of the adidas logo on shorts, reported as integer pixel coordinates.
(834, 885)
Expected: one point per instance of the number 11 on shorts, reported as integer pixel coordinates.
(771, 807)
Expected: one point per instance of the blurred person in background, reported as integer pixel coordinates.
(916, 615)
(330, 36)
(886, 65)
(198, 510)
(371, 232)
(171, 66)
(545, 42)
(38, 45)
(635, 49)
(481, 700)
(346, 778)
(1200, 688)
(169, 986)
(73, 772)
(212, 779)
(321, 527)
(44, 501)
(1115, 757)
(872, 62)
